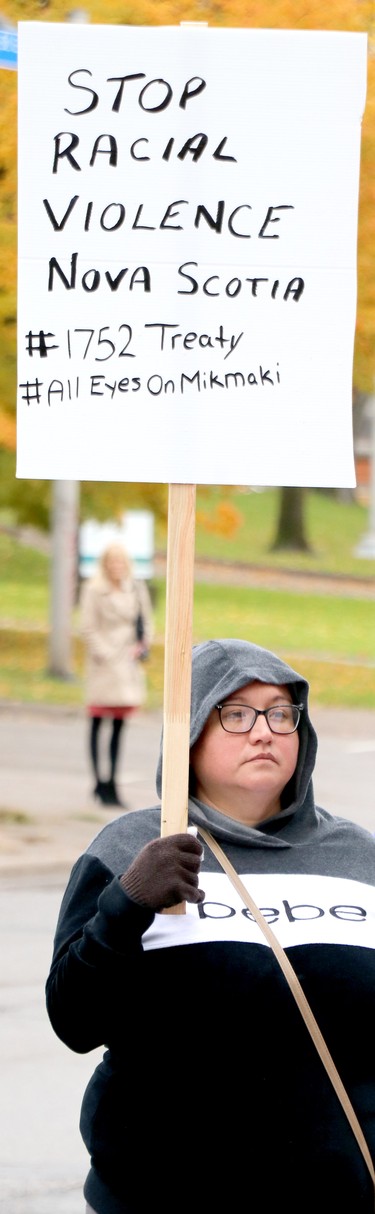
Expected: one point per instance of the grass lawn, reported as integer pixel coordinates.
(24, 678)
(330, 639)
(240, 525)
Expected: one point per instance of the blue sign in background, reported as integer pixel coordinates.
(8, 48)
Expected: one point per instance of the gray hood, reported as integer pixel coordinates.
(221, 667)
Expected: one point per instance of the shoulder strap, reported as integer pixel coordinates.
(299, 995)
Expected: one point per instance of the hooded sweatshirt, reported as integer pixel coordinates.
(211, 1091)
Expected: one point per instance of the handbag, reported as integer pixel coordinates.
(139, 627)
(299, 995)
(140, 634)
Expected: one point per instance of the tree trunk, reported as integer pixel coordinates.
(290, 533)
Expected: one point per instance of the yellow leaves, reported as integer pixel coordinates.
(278, 14)
(8, 144)
(109, 499)
(224, 520)
(34, 10)
(8, 263)
(7, 430)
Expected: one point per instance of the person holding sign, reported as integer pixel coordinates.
(210, 1091)
(117, 629)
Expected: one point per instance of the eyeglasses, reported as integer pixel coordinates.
(240, 718)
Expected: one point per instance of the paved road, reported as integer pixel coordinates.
(47, 817)
(42, 1159)
(45, 776)
(46, 780)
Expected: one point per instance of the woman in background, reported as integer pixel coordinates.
(117, 630)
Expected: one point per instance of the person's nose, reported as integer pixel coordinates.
(261, 731)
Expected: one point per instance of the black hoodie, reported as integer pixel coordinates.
(210, 1092)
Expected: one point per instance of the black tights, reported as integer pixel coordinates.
(117, 725)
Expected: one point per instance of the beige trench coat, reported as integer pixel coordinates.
(114, 676)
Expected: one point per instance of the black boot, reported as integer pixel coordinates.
(112, 795)
(101, 792)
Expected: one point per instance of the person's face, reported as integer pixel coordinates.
(243, 775)
(115, 566)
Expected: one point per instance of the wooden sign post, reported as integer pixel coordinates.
(177, 668)
(178, 647)
(177, 664)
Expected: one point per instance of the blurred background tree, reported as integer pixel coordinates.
(29, 501)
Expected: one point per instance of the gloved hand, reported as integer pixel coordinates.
(165, 872)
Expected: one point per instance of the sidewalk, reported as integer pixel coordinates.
(48, 813)
(47, 818)
(43, 1162)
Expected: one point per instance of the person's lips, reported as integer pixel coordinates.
(261, 758)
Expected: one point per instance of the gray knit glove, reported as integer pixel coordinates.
(165, 873)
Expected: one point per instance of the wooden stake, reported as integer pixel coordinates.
(177, 663)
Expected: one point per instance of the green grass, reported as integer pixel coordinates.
(320, 625)
(24, 583)
(333, 530)
(24, 677)
(331, 639)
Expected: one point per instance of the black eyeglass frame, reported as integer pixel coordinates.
(260, 712)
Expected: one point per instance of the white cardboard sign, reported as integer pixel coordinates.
(188, 205)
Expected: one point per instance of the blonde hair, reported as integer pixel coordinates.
(113, 549)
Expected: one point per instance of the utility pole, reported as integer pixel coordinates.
(64, 570)
(366, 546)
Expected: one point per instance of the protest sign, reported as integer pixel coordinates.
(187, 253)
(187, 276)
